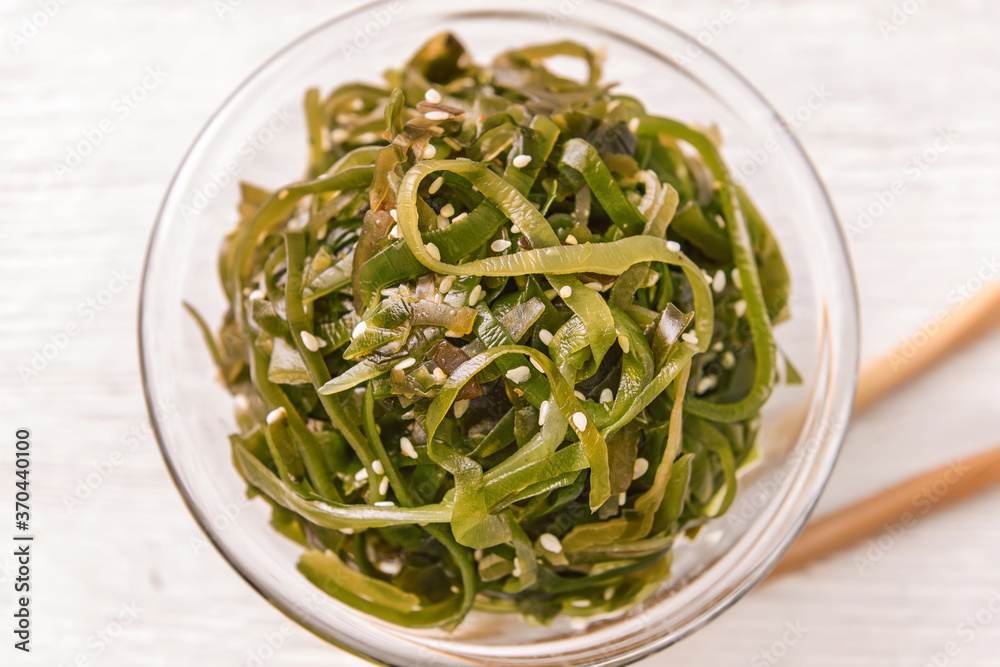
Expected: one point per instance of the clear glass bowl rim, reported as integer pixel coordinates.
(839, 399)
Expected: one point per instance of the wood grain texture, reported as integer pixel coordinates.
(133, 541)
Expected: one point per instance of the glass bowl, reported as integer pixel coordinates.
(259, 135)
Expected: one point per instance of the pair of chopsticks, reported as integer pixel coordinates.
(843, 528)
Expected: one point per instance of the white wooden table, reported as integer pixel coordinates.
(129, 543)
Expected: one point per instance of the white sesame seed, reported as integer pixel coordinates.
(385, 503)
(550, 542)
(429, 152)
(359, 329)
(517, 568)
(596, 286)
(276, 414)
(446, 284)
(367, 138)
(580, 420)
(383, 486)
(433, 251)
(543, 412)
(580, 603)
(707, 383)
(740, 308)
(521, 161)
(437, 115)
(439, 375)
(720, 221)
(357, 104)
(609, 592)
(406, 446)
(394, 232)
(461, 216)
(361, 475)
(607, 396)
(453, 334)
(625, 344)
(545, 336)
(455, 589)
(719, 281)
(689, 337)
(394, 214)
(478, 554)
(639, 468)
(737, 278)
(447, 210)
(707, 276)
(460, 407)
(519, 374)
(435, 185)
(570, 239)
(514, 229)
(499, 245)
(717, 346)
(622, 499)
(377, 467)
(241, 402)
(405, 363)
(432, 96)
(728, 360)
(565, 291)
(347, 531)
(256, 295)
(339, 136)
(474, 295)
(673, 246)
(309, 341)
(579, 395)
(538, 366)
(633, 125)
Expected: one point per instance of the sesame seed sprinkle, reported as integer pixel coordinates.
(545, 336)
(275, 415)
(446, 284)
(405, 363)
(447, 210)
(740, 308)
(309, 341)
(383, 486)
(673, 246)
(432, 96)
(519, 374)
(460, 407)
(499, 245)
(406, 446)
(436, 185)
(689, 337)
(361, 475)
(543, 412)
(633, 125)
(580, 420)
(437, 115)
(565, 291)
(538, 366)
(429, 152)
(571, 240)
(624, 342)
(719, 281)
(607, 396)
(359, 329)
(474, 295)
(550, 542)
(377, 467)
(433, 251)
(385, 503)
(639, 468)
(521, 161)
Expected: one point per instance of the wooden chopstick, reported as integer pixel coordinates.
(936, 340)
(944, 486)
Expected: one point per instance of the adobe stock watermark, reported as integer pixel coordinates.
(794, 120)
(564, 9)
(967, 630)
(103, 469)
(218, 179)
(772, 655)
(378, 19)
(899, 16)
(749, 505)
(922, 502)
(121, 108)
(225, 7)
(987, 271)
(913, 170)
(32, 26)
(106, 636)
(58, 340)
(225, 517)
(711, 30)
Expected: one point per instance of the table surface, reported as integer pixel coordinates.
(130, 549)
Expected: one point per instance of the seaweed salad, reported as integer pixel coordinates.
(503, 344)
